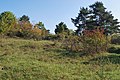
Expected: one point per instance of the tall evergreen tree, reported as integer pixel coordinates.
(96, 16)
(82, 20)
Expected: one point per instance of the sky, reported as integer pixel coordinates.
(52, 12)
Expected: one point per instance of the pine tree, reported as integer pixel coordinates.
(95, 16)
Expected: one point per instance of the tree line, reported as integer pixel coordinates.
(94, 24)
(89, 18)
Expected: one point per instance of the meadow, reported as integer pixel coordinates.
(41, 60)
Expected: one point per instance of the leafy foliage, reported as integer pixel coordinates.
(36, 33)
(94, 42)
(7, 21)
(73, 43)
(25, 29)
(41, 26)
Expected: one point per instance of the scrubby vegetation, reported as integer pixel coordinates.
(43, 60)
(115, 39)
(30, 52)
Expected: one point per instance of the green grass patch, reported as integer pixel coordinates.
(41, 60)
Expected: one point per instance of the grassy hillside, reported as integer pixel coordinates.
(37, 60)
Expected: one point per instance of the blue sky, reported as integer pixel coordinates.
(52, 12)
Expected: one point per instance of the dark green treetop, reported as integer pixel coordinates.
(24, 18)
(61, 27)
(96, 16)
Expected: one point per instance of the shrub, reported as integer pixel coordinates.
(94, 42)
(21, 29)
(7, 21)
(25, 30)
(114, 50)
(51, 37)
(35, 33)
(115, 39)
(91, 42)
(73, 43)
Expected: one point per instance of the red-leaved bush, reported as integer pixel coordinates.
(94, 41)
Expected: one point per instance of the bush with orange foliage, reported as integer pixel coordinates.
(94, 41)
(36, 33)
(27, 30)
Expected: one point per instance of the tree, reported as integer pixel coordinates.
(81, 22)
(61, 27)
(71, 32)
(95, 16)
(41, 26)
(7, 21)
(24, 18)
(104, 18)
